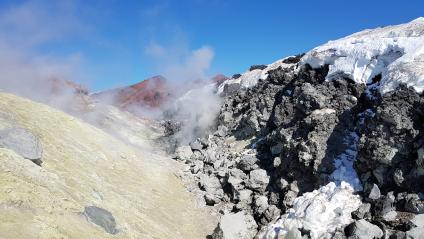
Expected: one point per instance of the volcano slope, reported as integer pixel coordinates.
(89, 184)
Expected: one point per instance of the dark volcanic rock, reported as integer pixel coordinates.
(392, 137)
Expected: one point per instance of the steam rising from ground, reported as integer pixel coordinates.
(198, 107)
(27, 70)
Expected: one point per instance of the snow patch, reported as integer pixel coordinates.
(395, 52)
(321, 212)
(344, 171)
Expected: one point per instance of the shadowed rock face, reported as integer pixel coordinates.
(23, 142)
(102, 218)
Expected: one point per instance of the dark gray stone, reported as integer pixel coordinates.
(102, 218)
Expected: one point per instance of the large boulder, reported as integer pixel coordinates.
(23, 142)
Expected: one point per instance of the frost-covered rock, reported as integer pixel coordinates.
(395, 52)
(250, 78)
(321, 212)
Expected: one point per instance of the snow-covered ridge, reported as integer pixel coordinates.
(250, 78)
(395, 52)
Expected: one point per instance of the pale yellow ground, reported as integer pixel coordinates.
(83, 166)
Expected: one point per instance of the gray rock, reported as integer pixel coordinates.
(222, 131)
(244, 199)
(102, 218)
(414, 204)
(363, 212)
(415, 233)
(261, 204)
(183, 153)
(258, 180)
(394, 234)
(374, 193)
(235, 226)
(247, 162)
(363, 230)
(271, 213)
(23, 142)
(196, 145)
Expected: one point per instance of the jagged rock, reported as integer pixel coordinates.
(414, 204)
(235, 226)
(388, 146)
(272, 213)
(257, 67)
(394, 234)
(183, 153)
(363, 212)
(362, 229)
(248, 162)
(244, 199)
(258, 180)
(102, 218)
(374, 193)
(213, 188)
(222, 131)
(261, 204)
(23, 142)
(196, 145)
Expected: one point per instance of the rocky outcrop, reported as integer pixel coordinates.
(290, 133)
(23, 142)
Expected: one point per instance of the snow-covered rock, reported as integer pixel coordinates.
(321, 211)
(250, 78)
(395, 52)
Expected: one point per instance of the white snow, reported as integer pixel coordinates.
(395, 52)
(250, 78)
(321, 211)
(344, 171)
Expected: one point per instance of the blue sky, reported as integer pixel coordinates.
(115, 43)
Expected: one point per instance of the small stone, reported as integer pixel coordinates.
(102, 218)
(261, 204)
(363, 212)
(247, 162)
(374, 193)
(196, 145)
(277, 162)
(258, 180)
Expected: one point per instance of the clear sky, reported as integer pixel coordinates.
(122, 42)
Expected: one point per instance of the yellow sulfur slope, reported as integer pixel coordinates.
(83, 166)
